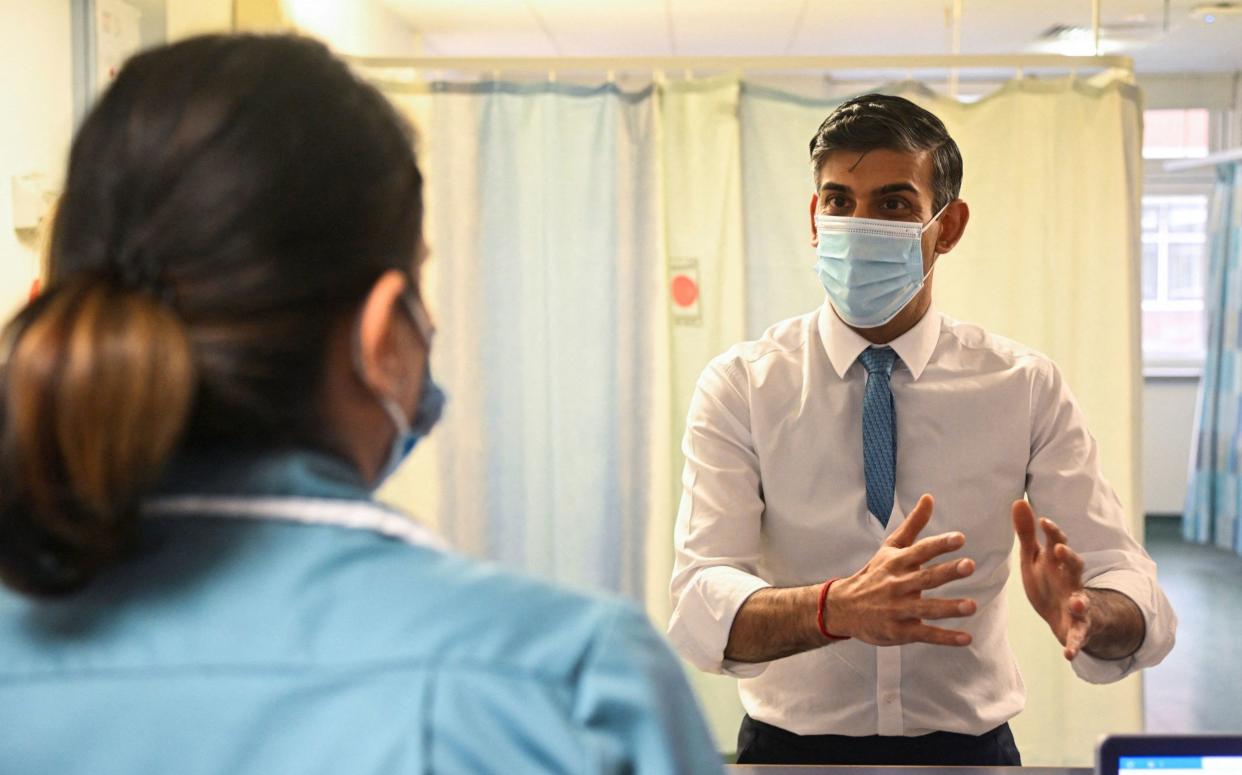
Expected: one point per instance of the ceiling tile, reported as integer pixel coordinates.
(806, 27)
(606, 27)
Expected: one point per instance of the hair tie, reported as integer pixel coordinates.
(147, 277)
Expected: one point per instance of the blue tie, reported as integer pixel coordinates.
(879, 426)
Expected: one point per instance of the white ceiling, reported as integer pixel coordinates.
(806, 27)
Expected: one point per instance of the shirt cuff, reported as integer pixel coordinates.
(1158, 617)
(703, 616)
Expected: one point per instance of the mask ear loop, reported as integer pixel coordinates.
(935, 255)
(422, 321)
(934, 218)
(386, 403)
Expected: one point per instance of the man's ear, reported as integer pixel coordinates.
(379, 357)
(814, 231)
(952, 225)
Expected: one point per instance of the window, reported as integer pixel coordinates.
(1174, 257)
(1174, 226)
(1175, 134)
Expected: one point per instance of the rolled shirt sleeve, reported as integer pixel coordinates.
(1065, 484)
(716, 538)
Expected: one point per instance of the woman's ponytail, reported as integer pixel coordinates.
(96, 385)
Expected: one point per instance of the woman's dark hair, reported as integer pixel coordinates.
(228, 201)
(883, 121)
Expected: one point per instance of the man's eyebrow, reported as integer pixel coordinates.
(836, 187)
(892, 188)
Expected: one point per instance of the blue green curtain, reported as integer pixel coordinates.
(1214, 498)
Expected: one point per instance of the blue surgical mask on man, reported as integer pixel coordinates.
(870, 267)
(430, 402)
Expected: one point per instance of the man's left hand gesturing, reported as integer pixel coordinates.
(1052, 576)
(1105, 623)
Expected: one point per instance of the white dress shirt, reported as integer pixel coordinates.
(774, 495)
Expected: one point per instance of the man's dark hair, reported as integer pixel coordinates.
(882, 121)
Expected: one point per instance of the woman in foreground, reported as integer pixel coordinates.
(230, 356)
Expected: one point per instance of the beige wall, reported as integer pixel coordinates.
(37, 98)
(195, 17)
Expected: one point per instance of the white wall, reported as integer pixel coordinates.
(36, 100)
(1168, 420)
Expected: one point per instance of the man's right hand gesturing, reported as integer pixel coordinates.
(883, 603)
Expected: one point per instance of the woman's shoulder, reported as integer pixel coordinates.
(478, 609)
(404, 599)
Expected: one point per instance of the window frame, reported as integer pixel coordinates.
(1157, 182)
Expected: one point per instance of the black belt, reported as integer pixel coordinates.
(760, 743)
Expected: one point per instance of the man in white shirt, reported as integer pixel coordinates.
(812, 459)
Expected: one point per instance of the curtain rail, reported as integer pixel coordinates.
(750, 63)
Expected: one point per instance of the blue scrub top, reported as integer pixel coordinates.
(276, 620)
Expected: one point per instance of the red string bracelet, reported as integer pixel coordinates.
(819, 616)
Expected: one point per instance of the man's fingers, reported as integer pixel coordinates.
(908, 531)
(925, 633)
(1075, 638)
(937, 608)
(1054, 532)
(925, 549)
(1024, 526)
(1073, 563)
(937, 575)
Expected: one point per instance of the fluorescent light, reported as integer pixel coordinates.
(1072, 40)
(1078, 42)
(1210, 12)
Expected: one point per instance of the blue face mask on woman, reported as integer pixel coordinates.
(870, 267)
(430, 402)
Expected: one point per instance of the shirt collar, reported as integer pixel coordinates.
(843, 344)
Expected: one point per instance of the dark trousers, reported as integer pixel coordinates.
(760, 743)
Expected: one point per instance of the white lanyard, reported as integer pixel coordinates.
(338, 512)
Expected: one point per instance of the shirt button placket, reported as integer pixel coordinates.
(889, 719)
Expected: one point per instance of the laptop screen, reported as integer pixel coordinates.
(1170, 755)
(1183, 765)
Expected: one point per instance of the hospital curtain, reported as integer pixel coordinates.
(545, 237)
(592, 249)
(1213, 509)
(1049, 258)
